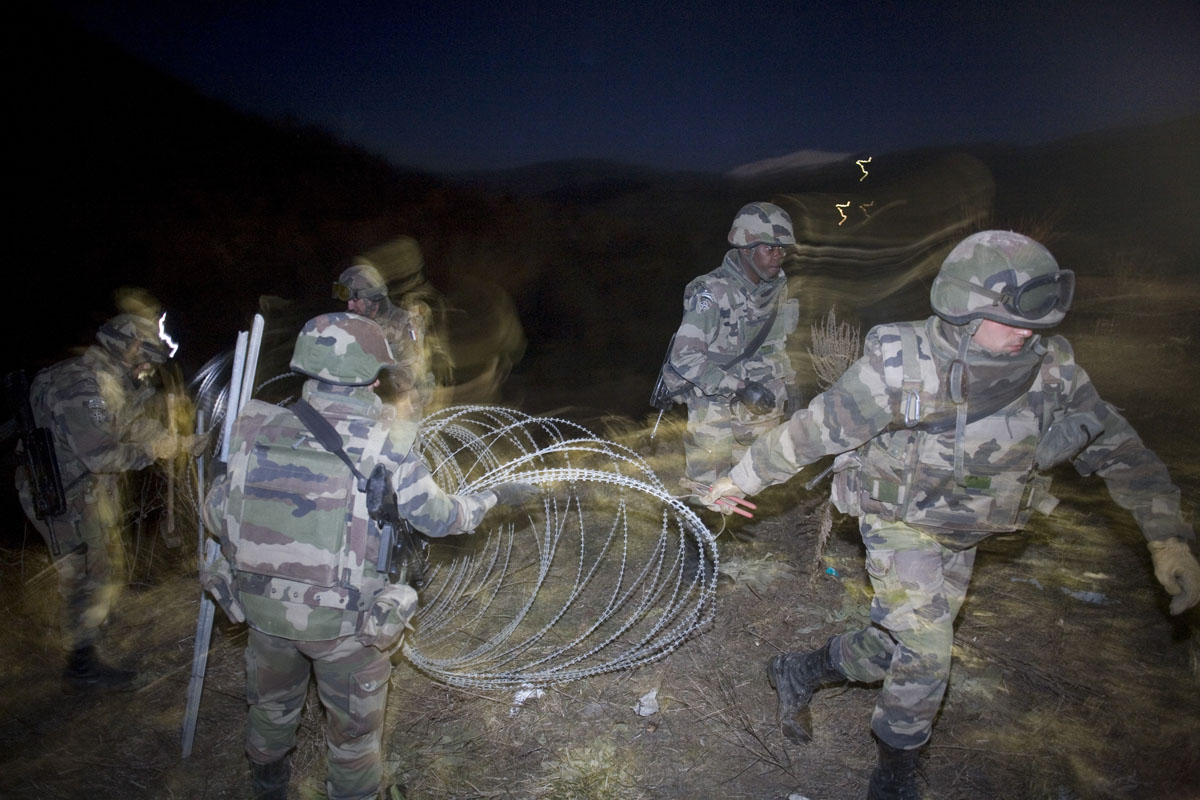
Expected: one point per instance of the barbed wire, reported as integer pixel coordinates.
(621, 572)
(606, 571)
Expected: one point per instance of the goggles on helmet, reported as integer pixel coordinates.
(1033, 299)
(1037, 297)
(342, 292)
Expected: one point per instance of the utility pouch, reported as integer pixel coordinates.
(846, 488)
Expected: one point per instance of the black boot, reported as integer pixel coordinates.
(270, 780)
(896, 776)
(86, 673)
(795, 676)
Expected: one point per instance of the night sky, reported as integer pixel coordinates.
(452, 87)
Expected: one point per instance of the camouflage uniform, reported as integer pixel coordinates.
(96, 412)
(405, 329)
(723, 312)
(929, 488)
(299, 544)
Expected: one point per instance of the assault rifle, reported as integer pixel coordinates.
(403, 553)
(41, 463)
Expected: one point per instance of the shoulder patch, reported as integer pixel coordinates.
(98, 410)
(703, 300)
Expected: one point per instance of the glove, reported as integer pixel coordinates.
(1177, 570)
(724, 487)
(217, 580)
(164, 447)
(514, 493)
(757, 398)
(1066, 438)
(197, 443)
(388, 616)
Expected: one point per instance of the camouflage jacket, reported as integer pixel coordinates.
(293, 524)
(908, 473)
(97, 416)
(405, 334)
(723, 312)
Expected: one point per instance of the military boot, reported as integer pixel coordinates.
(896, 776)
(85, 672)
(795, 676)
(270, 780)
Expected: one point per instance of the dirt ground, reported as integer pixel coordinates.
(1069, 681)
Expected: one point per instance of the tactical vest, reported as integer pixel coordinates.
(298, 521)
(927, 471)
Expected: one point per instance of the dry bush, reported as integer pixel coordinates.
(835, 346)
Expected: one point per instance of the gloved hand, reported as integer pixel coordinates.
(1177, 570)
(163, 447)
(217, 580)
(756, 397)
(385, 621)
(724, 487)
(514, 493)
(197, 443)
(1066, 438)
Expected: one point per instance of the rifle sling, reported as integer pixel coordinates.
(325, 433)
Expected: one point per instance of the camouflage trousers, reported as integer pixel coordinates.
(718, 435)
(87, 538)
(352, 682)
(919, 587)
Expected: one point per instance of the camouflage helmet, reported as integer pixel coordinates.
(761, 223)
(360, 281)
(1004, 277)
(342, 348)
(123, 330)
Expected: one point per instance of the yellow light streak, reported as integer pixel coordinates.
(860, 163)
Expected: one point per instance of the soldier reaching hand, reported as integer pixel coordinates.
(945, 427)
(302, 563)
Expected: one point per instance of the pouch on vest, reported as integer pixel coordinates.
(846, 487)
(295, 512)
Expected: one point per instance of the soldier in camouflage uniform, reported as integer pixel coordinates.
(95, 406)
(365, 292)
(728, 359)
(300, 555)
(945, 428)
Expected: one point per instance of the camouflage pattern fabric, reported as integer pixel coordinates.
(342, 348)
(908, 475)
(352, 682)
(761, 223)
(283, 493)
(723, 313)
(85, 568)
(101, 425)
(406, 334)
(295, 529)
(919, 588)
(986, 265)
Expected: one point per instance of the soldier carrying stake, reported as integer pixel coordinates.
(301, 561)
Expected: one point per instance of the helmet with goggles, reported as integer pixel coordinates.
(762, 223)
(134, 339)
(1005, 277)
(360, 281)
